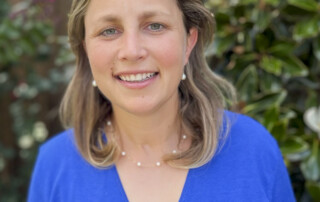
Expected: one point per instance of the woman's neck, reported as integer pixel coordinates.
(158, 130)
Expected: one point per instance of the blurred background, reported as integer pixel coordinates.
(269, 49)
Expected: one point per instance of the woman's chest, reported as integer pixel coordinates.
(152, 184)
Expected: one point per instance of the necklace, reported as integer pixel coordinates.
(139, 163)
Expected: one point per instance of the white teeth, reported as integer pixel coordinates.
(132, 77)
(136, 77)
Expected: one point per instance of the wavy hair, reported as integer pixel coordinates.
(203, 95)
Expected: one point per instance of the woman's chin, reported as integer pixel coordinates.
(140, 109)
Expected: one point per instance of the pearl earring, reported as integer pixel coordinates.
(94, 83)
(184, 76)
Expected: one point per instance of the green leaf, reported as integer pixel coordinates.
(220, 45)
(272, 2)
(287, 113)
(27, 46)
(244, 60)
(314, 190)
(312, 99)
(311, 167)
(306, 29)
(271, 64)
(281, 48)
(247, 2)
(316, 47)
(270, 83)
(309, 5)
(247, 83)
(276, 120)
(295, 149)
(222, 20)
(262, 42)
(271, 116)
(296, 12)
(265, 101)
(279, 130)
(13, 33)
(261, 19)
(292, 66)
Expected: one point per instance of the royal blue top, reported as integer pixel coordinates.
(249, 167)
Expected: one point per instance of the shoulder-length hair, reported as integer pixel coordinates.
(203, 95)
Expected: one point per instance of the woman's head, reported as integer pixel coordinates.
(194, 15)
(200, 95)
(137, 52)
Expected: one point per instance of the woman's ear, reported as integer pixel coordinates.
(192, 39)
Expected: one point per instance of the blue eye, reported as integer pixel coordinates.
(109, 32)
(155, 27)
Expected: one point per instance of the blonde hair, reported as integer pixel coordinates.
(203, 95)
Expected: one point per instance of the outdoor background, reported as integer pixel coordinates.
(269, 49)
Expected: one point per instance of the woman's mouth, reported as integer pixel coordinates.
(140, 77)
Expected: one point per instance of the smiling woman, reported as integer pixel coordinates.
(148, 115)
(138, 40)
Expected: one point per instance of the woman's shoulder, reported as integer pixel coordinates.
(60, 143)
(246, 137)
(60, 167)
(238, 120)
(247, 129)
(247, 165)
(60, 151)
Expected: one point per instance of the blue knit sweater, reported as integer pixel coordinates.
(249, 167)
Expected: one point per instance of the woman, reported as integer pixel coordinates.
(147, 114)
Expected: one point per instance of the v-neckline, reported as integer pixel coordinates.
(124, 194)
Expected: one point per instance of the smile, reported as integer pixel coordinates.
(137, 77)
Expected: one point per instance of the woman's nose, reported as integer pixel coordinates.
(131, 47)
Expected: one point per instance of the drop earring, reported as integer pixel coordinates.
(94, 83)
(184, 76)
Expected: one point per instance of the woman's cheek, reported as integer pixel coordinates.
(170, 53)
(99, 58)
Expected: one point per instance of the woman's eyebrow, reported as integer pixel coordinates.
(144, 15)
(109, 18)
(150, 14)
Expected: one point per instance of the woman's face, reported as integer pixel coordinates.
(137, 50)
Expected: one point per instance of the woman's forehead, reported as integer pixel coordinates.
(115, 9)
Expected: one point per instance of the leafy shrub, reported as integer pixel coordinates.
(27, 76)
(270, 50)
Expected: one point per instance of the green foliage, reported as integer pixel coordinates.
(27, 44)
(270, 49)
